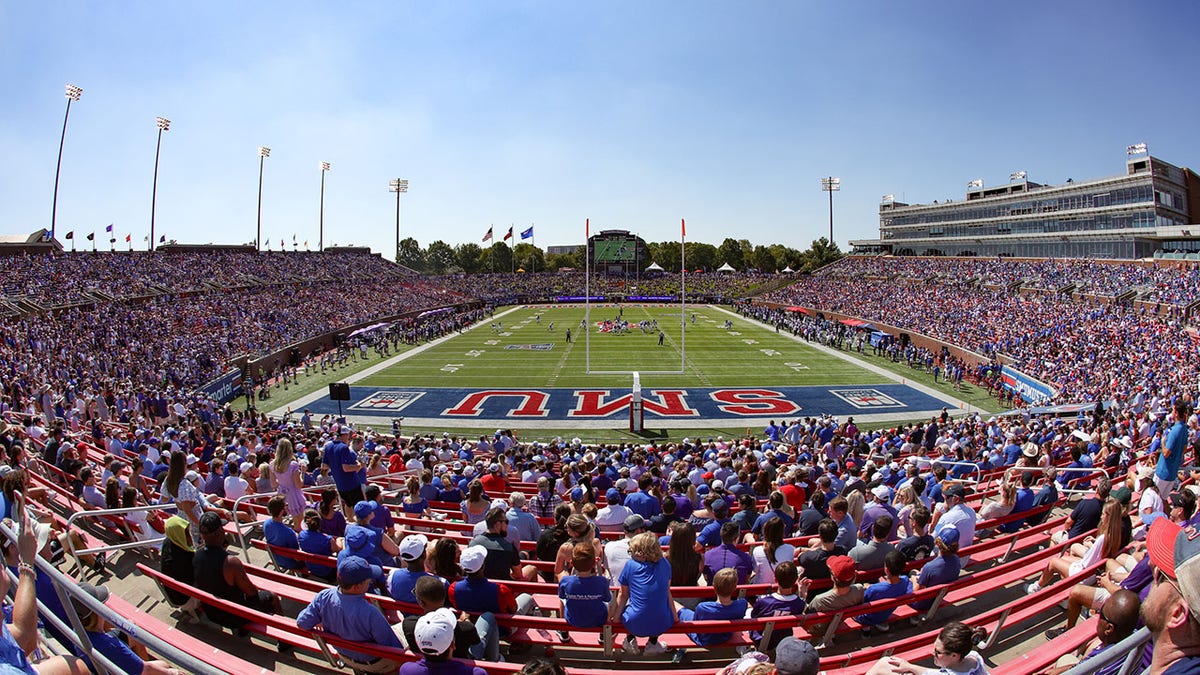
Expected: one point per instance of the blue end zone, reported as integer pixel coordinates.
(681, 404)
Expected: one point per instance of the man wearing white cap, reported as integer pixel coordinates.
(434, 640)
(402, 580)
(477, 595)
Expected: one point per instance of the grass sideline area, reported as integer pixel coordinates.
(526, 347)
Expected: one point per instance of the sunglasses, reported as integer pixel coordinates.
(1161, 577)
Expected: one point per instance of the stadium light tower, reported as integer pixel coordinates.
(325, 166)
(164, 124)
(263, 153)
(831, 185)
(73, 94)
(399, 187)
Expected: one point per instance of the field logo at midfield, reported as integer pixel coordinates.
(542, 347)
(388, 400)
(532, 403)
(661, 402)
(867, 398)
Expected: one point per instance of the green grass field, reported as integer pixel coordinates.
(712, 356)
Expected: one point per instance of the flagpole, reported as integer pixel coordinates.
(682, 293)
(514, 249)
(587, 298)
(533, 240)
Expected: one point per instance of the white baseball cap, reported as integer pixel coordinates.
(472, 559)
(413, 546)
(434, 632)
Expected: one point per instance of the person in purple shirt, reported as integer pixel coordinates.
(881, 495)
(434, 640)
(728, 555)
(787, 600)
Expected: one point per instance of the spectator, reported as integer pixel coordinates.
(503, 560)
(776, 503)
(728, 555)
(176, 560)
(871, 555)
(956, 514)
(919, 544)
(402, 580)
(893, 585)
(545, 502)
(772, 552)
(953, 652)
(1106, 545)
(1170, 458)
(479, 596)
(1118, 620)
(277, 533)
(786, 600)
(584, 596)
(1086, 515)
(430, 594)
(333, 523)
(521, 523)
(1168, 610)
(644, 605)
(724, 608)
(745, 517)
(616, 553)
(881, 496)
(222, 574)
(642, 502)
(344, 467)
(345, 612)
(812, 516)
(312, 540)
(614, 513)
(814, 562)
(839, 511)
(686, 563)
(845, 593)
(433, 637)
(943, 569)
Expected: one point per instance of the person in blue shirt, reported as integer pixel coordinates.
(584, 595)
(775, 502)
(402, 580)
(278, 533)
(131, 658)
(644, 605)
(893, 585)
(344, 467)
(1024, 502)
(345, 612)
(312, 540)
(724, 608)
(710, 536)
(943, 569)
(642, 502)
(1166, 472)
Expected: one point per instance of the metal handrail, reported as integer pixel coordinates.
(1128, 650)
(1064, 469)
(75, 553)
(68, 589)
(974, 466)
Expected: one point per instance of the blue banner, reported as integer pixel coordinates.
(1030, 389)
(225, 388)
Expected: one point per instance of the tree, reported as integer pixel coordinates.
(410, 254)
(467, 256)
(556, 260)
(763, 261)
(530, 258)
(730, 252)
(700, 256)
(821, 253)
(439, 257)
(498, 258)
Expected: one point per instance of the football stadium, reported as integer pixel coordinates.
(966, 444)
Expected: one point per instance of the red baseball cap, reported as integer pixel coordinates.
(842, 568)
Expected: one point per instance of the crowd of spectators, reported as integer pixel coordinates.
(1087, 351)
(548, 286)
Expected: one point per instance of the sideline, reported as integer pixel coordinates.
(958, 404)
(299, 403)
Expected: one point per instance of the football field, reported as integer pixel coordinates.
(712, 368)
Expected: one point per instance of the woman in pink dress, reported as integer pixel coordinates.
(285, 474)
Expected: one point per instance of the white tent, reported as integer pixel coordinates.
(788, 270)
(725, 268)
(654, 267)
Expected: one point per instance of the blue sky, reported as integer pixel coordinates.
(632, 114)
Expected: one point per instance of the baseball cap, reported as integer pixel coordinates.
(613, 496)
(364, 509)
(576, 494)
(1176, 551)
(955, 490)
(358, 542)
(718, 485)
(720, 505)
(634, 523)
(245, 466)
(881, 491)
(354, 570)
(842, 568)
(434, 632)
(98, 592)
(413, 546)
(796, 657)
(494, 468)
(472, 558)
(949, 536)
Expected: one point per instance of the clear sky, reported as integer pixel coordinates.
(632, 114)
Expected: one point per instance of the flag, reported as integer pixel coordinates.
(109, 228)
(280, 243)
(527, 234)
(1135, 149)
(887, 199)
(977, 183)
(509, 234)
(70, 235)
(162, 239)
(488, 236)
(91, 237)
(587, 228)
(146, 238)
(682, 228)
(128, 238)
